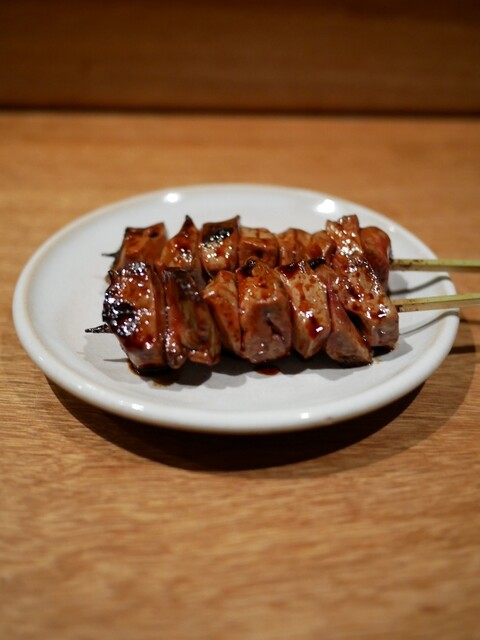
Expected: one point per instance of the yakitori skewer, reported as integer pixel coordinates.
(403, 305)
(437, 302)
(452, 266)
(260, 295)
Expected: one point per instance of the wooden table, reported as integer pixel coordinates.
(111, 529)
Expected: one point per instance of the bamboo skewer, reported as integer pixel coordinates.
(437, 302)
(459, 266)
(414, 304)
(402, 304)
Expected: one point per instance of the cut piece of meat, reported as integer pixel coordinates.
(378, 251)
(141, 245)
(293, 246)
(344, 344)
(259, 243)
(134, 310)
(191, 332)
(221, 295)
(309, 302)
(321, 247)
(219, 246)
(264, 311)
(361, 292)
(181, 251)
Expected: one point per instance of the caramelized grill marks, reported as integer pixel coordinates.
(219, 246)
(227, 245)
(134, 310)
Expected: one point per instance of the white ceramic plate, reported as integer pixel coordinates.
(60, 294)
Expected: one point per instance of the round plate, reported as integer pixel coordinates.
(60, 294)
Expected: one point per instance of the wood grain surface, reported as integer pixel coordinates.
(275, 55)
(362, 530)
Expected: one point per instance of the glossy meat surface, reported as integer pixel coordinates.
(309, 303)
(141, 245)
(360, 290)
(344, 344)
(264, 311)
(221, 295)
(181, 251)
(378, 251)
(191, 332)
(219, 246)
(321, 247)
(193, 294)
(259, 243)
(293, 245)
(134, 310)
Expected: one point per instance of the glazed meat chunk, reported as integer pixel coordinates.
(309, 302)
(360, 290)
(134, 310)
(264, 312)
(219, 246)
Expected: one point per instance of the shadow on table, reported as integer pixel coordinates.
(319, 451)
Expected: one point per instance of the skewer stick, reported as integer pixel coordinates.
(461, 266)
(438, 302)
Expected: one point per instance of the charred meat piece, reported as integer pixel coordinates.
(292, 246)
(361, 292)
(191, 332)
(378, 251)
(264, 311)
(257, 243)
(344, 343)
(309, 302)
(181, 251)
(141, 245)
(221, 295)
(134, 310)
(219, 246)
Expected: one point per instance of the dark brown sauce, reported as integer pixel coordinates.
(160, 377)
(290, 270)
(267, 369)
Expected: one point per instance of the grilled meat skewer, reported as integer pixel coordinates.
(252, 292)
(164, 319)
(227, 245)
(361, 292)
